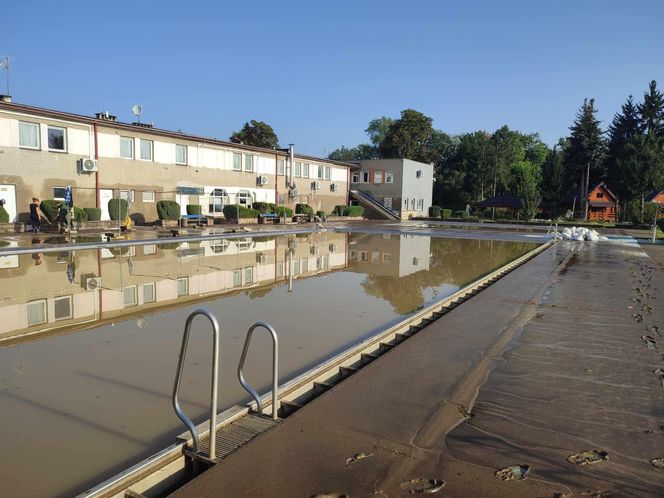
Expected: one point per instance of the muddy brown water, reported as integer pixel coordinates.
(86, 372)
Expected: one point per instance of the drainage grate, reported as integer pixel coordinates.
(232, 436)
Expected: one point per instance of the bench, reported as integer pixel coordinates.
(198, 219)
(263, 217)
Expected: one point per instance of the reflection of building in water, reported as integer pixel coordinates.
(116, 283)
(389, 255)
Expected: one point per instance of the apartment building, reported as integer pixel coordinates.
(43, 151)
(401, 185)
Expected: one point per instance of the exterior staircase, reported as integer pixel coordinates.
(373, 205)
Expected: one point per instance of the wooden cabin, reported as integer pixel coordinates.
(601, 204)
(657, 197)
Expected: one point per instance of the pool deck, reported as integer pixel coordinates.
(551, 360)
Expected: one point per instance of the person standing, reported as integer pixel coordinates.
(36, 215)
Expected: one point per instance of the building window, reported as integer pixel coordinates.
(355, 178)
(62, 308)
(146, 149)
(127, 147)
(248, 163)
(59, 193)
(364, 256)
(244, 198)
(28, 135)
(296, 267)
(148, 196)
(304, 265)
(326, 172)
(305, 170)
(412, 204)
(418, 173)
(304, 199)
(248, 276)
(237, 278)
(321, 172)
(280, 167)
(57, 139)
(149, 293)
(366, 177)
(37, 312)
(124, 194)
(218, 199)
(298, 169)
(237, 161)
(389, 177)
(181, 154)
(378, 177)
(279, 269)
(129, 296)
(600, 195)
(420, 204)
(149, 249)
(405, 203)
(183, 286)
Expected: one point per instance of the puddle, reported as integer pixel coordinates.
(514, 473)
(588, 457)
(424, 486)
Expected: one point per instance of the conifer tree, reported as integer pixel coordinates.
(624, 129)
(651, 111)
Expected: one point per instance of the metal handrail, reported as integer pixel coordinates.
(275, 367)
(215, 374)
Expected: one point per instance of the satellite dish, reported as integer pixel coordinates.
(137, 109)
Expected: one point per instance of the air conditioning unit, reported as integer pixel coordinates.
(261, 180)
(334, 187)
(261, 258)
(92, 283)
(332, 248)
(315, 185)
(88, 165)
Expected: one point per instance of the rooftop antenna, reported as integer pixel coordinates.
(5, 63)
(137, 109)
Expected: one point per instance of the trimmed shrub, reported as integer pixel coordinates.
(168, 210)
(284, 211)
(660, 224)
(434, 212)
(304, 209)
(231, 212)
(117, 209)
(94, 214)
(446, 214)
(264, 207)
(137, 218)
(320, 214)
(80, 214)
(340, 210)
(48, 207)
(4, 215)
(193, 209)
(355, 211)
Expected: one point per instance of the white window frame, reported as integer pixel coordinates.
(31, 147)
(389, 177)
(71, 307)
(237, 278)
(237, 161)
(149, 249)
(248, 275)
(154, 292)
(306, 170)
(184, 148)
(252, 161)
(281, 167)
(132, 148)
(58, 198)
(151, 192)
(124, 296)
(44, 307)
(420, 204)
(355, 178)
(140, 151)
(326, 172)
(365, 177)
(378, 177)
(298, 169)
(186, 281)
(64, 135)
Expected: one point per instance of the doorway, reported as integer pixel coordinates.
(8, 194)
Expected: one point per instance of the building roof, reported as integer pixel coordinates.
(654, 193)
(41, 111)
(602, 184)
(601, 203)
(502, 201)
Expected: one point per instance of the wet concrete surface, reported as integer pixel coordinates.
(548, 362)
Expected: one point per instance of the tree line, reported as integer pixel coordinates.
(628, 156)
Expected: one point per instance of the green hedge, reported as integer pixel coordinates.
(168, 210)
(4, 215)
(340, 210)
(435, 212)
(80, 214)
(446, 214)
(194, 209)
(304, 209)
(117, 209)
(660, 224)
(48, 207)
(284, 211)
(355, 211)
(320, 214)
(94, 214)
(264, 207)
(231, 212)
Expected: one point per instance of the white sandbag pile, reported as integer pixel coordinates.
(579, 234)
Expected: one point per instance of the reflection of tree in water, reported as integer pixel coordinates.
(453, 261)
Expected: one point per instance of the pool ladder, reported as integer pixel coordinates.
(195, 453)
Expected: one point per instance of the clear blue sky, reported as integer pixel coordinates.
(318, 70)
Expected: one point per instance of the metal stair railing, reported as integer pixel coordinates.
(275, 367)
(215, 375)
(365, 196)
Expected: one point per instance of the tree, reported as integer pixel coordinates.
(651, 111)
(362, 151)
(506, 148)
(256, 133)
(472, 165)
(407, 137)
(377, 129)
(586, 149)
(525, 180)
(553, 174)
